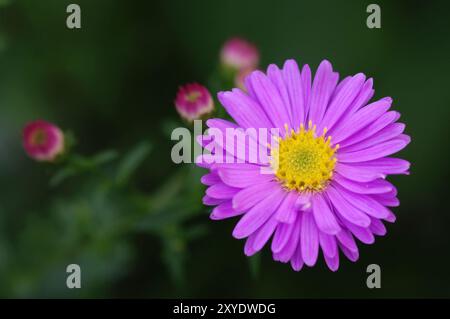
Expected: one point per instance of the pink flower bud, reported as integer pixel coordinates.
(193, 101)
(239, 54)
(43, 141)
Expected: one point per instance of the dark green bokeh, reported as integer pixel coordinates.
(112, 83)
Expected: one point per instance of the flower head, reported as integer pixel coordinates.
(325, 182)
(239, 54)
(193, 101)
(43, 141)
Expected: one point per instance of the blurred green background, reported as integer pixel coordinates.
(131, 218)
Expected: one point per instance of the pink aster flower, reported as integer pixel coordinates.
(43, 141)
(326, 185)
(239, 54)
(193, 101)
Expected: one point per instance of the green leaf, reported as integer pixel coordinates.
(171, 203)
(174, 254)
(131, 161)
(104, 157)
(62, 175)
(83, 163)
(77, 164)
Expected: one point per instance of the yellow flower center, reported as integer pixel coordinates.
(193, 96)
(303, 161)
(39, 137)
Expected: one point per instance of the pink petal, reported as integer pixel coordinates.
(322, 88)
(250, 196)
(358, 173)
(306, 82)
(288, 250)
(391, 131)
(221, 191)
(287, 210)
(283, 235)
(309, 239)
(363, 234)
(345, 239)
(212, 201)
(374, 187)
(223, 211)
(332, 262)
(328, 244)
(372, 129)
(346, 210)
(297, 260)
(243, 178)
(264, 233)
(362, 118)
(258, 215)
(386, 165)
(210, 179)
(342, 101)
(244, 110)
(292, 78)
(374, 152)
(377, 227)
(364, 202)
(276, 76)
(323, 216)
(269, 99)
